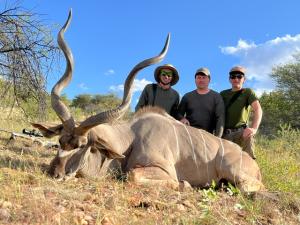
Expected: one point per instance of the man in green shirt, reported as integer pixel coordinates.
(238, 101)
(162, 94)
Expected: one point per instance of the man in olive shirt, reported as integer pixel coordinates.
(238, 101)
(161, 94)
(203, 108)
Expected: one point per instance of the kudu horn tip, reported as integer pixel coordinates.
(65, 26)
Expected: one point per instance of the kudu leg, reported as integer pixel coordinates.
(239, 168)
(153, 176)
(248, 183)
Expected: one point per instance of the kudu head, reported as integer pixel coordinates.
(75, 139)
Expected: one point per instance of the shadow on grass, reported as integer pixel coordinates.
(24, 165)
(26, 148)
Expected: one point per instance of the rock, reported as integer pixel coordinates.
(180, 207)
(6, 204)
(105, 221)
(184, 186)
(188, 204)
(4, 214)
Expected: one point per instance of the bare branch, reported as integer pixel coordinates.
(27, 54)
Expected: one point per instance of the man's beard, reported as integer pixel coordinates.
(165, 83)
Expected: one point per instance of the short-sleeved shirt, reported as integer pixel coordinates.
(204, 111)
(153, 94)
(237, 114)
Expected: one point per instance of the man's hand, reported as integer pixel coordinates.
(185, 121)
(249, 132)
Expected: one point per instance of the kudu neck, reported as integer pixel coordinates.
(118, 136)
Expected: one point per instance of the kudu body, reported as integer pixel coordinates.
(153, 147)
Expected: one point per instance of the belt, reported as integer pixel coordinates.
(231, 130)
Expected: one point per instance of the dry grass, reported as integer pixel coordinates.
(29, 196)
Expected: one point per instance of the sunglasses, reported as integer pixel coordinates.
(239, 76)
(166, 73)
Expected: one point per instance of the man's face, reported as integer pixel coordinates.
(237, 80)
(166, 76)
(202, 81)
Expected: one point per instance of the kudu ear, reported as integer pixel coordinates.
(48, 130)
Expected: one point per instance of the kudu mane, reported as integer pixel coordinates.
(150, 109)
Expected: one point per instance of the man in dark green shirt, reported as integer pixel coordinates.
(161, 94)
(238, 101)
(203, 108)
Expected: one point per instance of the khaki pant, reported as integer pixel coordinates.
(246, 144)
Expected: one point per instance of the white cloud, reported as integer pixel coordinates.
(138, 85)
(241, 47)
(259, 59)
(117, 88)
(109, 72)
(83, 86)
(260, 91)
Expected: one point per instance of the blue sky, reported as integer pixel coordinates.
(108, 38)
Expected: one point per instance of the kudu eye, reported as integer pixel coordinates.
(64, 140)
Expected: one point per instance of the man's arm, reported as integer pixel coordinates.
(220, 116)
(181, 111)
(143, 100)
(257, 116)
(174, 110)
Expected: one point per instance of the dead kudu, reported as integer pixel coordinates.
(153, 147)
